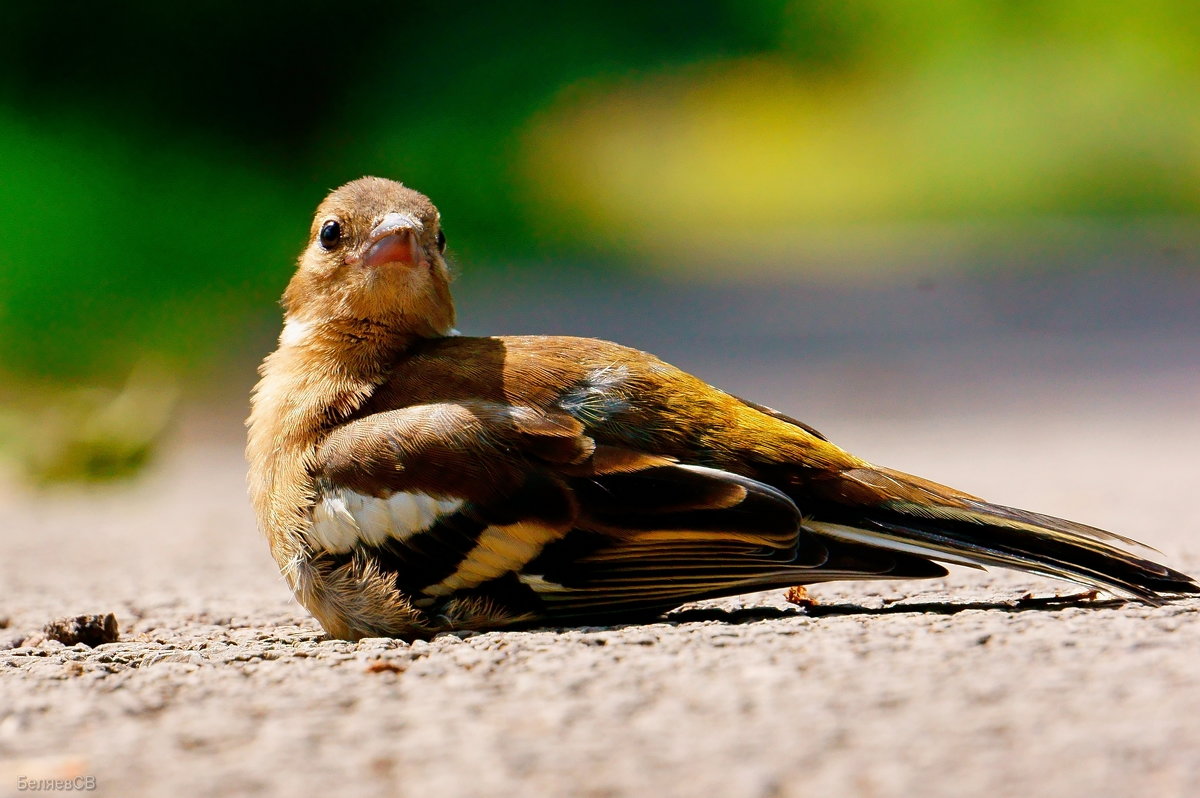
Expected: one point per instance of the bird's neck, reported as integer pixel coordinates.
(354, 348)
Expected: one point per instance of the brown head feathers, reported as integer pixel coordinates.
(374, 259)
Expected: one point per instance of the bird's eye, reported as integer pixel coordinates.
(441, 241)
(331, 234)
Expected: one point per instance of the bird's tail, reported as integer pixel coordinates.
(900, 512)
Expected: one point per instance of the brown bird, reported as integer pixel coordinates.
(412, 481)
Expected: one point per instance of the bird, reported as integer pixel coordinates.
(412, 481)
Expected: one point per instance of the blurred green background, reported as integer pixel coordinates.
(160, 161)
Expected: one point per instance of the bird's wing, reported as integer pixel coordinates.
(775, 414)
(518, 507)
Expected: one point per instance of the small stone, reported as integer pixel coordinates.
(798, 595)
(90, 630)
(384, 666)
(378, 643)
(174, 655)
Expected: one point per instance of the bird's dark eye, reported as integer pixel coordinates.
(331, 234)
(441, 241)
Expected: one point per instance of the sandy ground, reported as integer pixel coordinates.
(221, 685)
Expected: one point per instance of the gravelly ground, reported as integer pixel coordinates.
(220, 685)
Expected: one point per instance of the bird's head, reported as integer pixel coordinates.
(374, 258)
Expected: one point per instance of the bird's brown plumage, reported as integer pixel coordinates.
(410, 480)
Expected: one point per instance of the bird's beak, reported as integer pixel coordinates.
(394, 240)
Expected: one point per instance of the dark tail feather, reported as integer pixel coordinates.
(921, 517)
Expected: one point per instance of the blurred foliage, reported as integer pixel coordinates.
(160, 160)
(88, 434)
(996, 114)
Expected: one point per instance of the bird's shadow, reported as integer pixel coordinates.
(1024, 604)
(745, 615)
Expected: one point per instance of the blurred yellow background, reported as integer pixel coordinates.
(160, 162)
